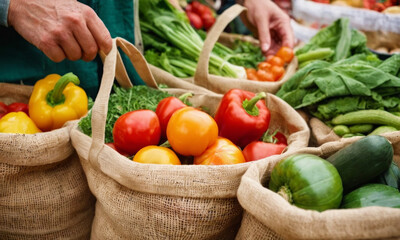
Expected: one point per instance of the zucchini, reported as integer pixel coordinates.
(361, 128)
(376, 117)
(362, 161)
(307, 181)
(372, 195)
(390, 177)
(383, 129)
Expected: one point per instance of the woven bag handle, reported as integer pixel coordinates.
(201, 76)
(113, 66)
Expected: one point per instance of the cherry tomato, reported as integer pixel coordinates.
(276, 61)
(191, 131)
(19, 107)
(195, 20)
(265, 76)
(135, 130)
(251, 74)
(156, 155)
(277, 72)
(264, 66)
(3, 109)
(222, 152)
(285, 53)
(208, 21)
(257, 150)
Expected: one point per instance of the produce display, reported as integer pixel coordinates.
(359, 175)
(341, 82)
(386, 6)
(153, 123)
(54, 101)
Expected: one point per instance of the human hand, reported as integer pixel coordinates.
(60, 28)
(271, 25)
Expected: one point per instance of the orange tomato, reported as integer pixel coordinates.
(264, 66)
(223, 151)
(251, 74)
(276, 61)
(156, 155)
(191, 131)
(277, 72)
(265, 76)
(285, 53)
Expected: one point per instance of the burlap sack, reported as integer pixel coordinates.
(150, 201)
(221, 84)
(43, 190)
(268, 216)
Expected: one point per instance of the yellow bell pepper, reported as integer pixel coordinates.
(56, 100)
(17, 122)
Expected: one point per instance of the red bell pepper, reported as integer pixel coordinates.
(242, 116)
(19, 107)
(167, 107)
(3, 109)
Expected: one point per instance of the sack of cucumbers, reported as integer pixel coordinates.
(341, 190)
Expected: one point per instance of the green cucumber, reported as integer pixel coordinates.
(383, 129)
(361, 128)
(341, 130)
(372, 195)
(362, 161)
(377, 117)
(307, 181)
(390, 177)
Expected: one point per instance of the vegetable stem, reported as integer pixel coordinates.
(250, 105)
(284, 192)
(55, 96)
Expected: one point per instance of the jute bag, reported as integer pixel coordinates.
(221, 84)
(268, 216)
(43, 190)
(151, 201)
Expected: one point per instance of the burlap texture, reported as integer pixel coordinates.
(151, 201)
(221, 84)
(268, 214)
(43, 190)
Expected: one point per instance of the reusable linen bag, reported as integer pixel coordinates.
(268, 216)
(220, 84)
(152, 201)
(43, 190)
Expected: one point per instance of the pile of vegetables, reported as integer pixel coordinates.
(171, 43)
(155, 127)
(339, 75)
(360, 175)
(54, 101)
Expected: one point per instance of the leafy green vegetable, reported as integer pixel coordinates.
(340, 38)
(123, 101)
(161, 20)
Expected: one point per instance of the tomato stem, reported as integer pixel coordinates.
(284, 192)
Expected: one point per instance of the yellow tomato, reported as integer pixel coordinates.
(221, 152)
(156, 155)
(191, 131)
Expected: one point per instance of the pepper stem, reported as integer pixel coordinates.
(184, 97)
(250, 105)
(165, 144)
(55, 96)
(284, 192)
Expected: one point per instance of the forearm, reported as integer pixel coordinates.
(4, 12)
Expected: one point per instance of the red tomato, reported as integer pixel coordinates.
(3, 109)
(135, 130)
(279, 138)
(200, 9)
(222, 152)
(264, 66)
(251, 74)
(19, 107)
(277, 61)
(277, 72)
(111, 145)
(257, 150)
(208, 21)
(164, 111)
(265, 76)
(286, 53)
(195, 20)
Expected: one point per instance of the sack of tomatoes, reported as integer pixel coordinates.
(172, 160)
(43, 184)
